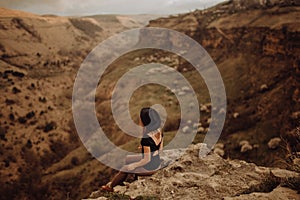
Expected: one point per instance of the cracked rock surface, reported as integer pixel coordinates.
(212, 177)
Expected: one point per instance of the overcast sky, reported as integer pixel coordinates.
(89, 7)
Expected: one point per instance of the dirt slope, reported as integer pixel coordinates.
(255, 46)
(39, 59)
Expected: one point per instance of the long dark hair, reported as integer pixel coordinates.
(150, 119)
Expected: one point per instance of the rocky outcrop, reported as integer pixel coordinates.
(248, 4)
(211, 177)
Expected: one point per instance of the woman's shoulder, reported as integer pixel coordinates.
(155, 132)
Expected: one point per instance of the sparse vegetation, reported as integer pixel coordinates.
(87, 26)
(29, 29)
(49, 127)
(42, 156)
(2, 133)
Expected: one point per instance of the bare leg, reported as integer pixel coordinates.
(118, 179)
(132, 158)
(121, 176)
(140, 171)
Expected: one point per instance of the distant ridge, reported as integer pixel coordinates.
(4, 12)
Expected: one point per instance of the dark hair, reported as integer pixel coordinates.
(150, 119)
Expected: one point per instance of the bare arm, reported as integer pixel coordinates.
(144, 161)
(161, 145)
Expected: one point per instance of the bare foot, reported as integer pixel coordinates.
(107, 188)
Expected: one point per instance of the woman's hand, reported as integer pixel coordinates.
(129, 167)
(142, 162)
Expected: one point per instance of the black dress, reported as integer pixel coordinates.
(155, 160)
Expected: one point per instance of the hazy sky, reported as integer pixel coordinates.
(88, 7)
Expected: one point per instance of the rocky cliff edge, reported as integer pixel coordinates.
(210, 177)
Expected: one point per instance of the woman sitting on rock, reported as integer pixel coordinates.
(151, 144)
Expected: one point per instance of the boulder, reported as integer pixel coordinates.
(274, 143)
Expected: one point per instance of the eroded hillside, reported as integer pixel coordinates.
(39, 59)
(255, 47)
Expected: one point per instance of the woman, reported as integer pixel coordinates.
(151, 144)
